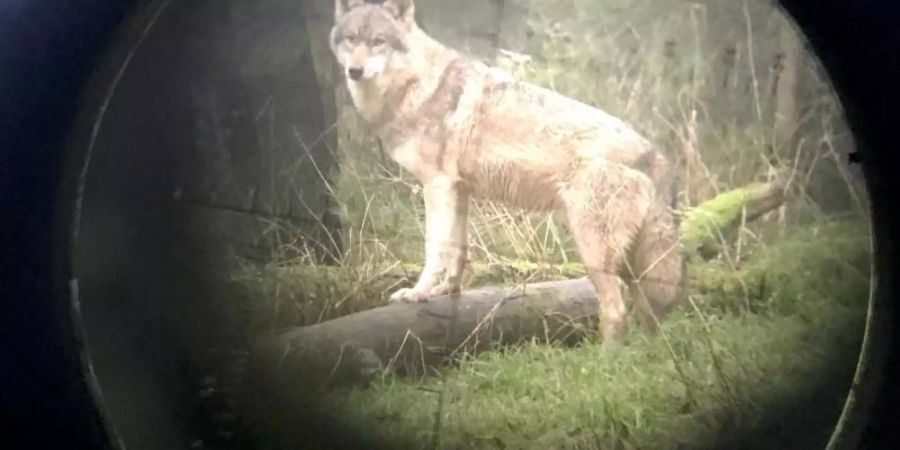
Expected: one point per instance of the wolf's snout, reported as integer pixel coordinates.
(355, 73)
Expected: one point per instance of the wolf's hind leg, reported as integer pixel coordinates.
(604, 221)
(446, 240)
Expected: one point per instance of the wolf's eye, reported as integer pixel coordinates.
(350, 38)
(379, 41)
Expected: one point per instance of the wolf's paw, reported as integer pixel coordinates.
(408, 295)
(611, 345)
(444, 288)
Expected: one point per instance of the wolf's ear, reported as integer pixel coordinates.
(402, 10)
(342, 7)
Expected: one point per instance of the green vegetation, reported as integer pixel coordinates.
(704, 227)
(723, 380)
(716, 370)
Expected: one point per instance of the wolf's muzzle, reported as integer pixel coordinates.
(355, 73)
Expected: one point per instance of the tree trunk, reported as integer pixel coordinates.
(261, 151)
(319, 20)
(787, 65)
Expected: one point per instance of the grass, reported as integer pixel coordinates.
(727, 376)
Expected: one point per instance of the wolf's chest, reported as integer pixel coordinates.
(409, 156)
(367, 100)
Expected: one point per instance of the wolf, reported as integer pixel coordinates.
(468, 130)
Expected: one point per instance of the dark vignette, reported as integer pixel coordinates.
(46, 51)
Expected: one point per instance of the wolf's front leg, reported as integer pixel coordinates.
(446, 241)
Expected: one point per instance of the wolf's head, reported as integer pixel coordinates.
(367, 37)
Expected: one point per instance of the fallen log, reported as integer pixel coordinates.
(416, 337)
(705, 227)
(411, 338)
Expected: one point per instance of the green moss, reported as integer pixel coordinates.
(703, 227)
(514, 272)
(823, 264)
